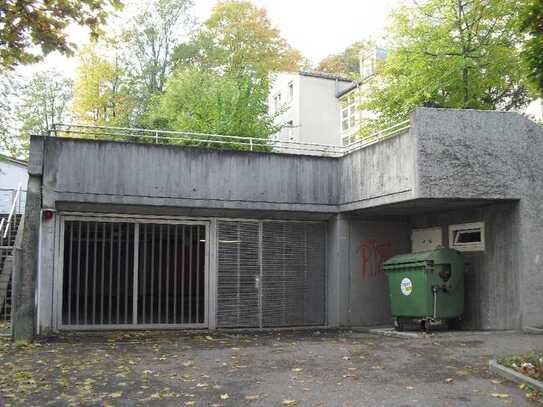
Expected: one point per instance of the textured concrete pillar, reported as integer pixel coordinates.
(26, 266)
(338, 271)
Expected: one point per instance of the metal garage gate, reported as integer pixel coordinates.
(120, 274)
(271, 274)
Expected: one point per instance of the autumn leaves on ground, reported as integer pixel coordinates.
(310, 368)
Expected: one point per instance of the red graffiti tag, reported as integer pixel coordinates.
(372, 256)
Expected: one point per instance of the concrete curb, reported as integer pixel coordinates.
(388, 332)
(395, 334)
(533, 330)
(514, 376)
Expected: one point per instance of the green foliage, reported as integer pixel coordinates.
(206, 102)
(9, 89)
(30, 26)
(102, 92)
(239, 39)
(147, 46)
(347, 62)
(44, 100)
(532, 54)
(449, 53)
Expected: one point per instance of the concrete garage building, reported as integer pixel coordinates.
(133, 235)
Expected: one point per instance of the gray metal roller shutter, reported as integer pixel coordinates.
(293, 272)
(238, 273)
(270, 274)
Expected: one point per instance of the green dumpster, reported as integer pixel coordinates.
(426, 287)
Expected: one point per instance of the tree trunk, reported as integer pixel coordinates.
(465, 81)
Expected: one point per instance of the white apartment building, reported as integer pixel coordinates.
(306, 104)
(321, 108)
(535, 110)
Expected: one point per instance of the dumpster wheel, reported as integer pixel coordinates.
(398, 324)
(427, 325)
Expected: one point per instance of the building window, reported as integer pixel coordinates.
(277, 102)
(349, 139)
(290, 126)
(290, 91)
(467, 237)
(348, 113)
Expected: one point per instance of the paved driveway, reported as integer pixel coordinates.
(304, 368)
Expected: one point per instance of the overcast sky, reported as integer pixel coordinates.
(316, 27)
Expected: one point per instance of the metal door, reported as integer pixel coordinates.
(270, 274)
(171, 274)
(98, 274)
(123, 273)
(293, 274)
(238, 274)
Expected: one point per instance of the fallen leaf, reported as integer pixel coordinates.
(288, 402)
(225, 396)
(500, 395)
(297, 369)
(252, 397)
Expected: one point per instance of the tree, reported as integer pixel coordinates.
(30, 26)
(149, 43)
(532, 54)
(347, 62)
(449, 53)
(9, 88)
(102, 94)
(44, 100)
(238, 38)
(207, 102)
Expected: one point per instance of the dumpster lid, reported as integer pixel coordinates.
(438, 256)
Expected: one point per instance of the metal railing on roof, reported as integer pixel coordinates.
(378, 136)
(219, 140)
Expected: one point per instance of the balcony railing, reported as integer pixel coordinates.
(221, 141)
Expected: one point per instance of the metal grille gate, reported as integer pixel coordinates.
(270, 274)
(127, 274)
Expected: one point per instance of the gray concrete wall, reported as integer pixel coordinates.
(126, 173)
(371, 243)
(337, 258)
(474, 154)
(113, 173)
(381, 173)
(492, 278)
(486, 154)
(26, 265)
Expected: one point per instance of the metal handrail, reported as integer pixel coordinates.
(11, 212)
(378, 136)
(251, 143)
